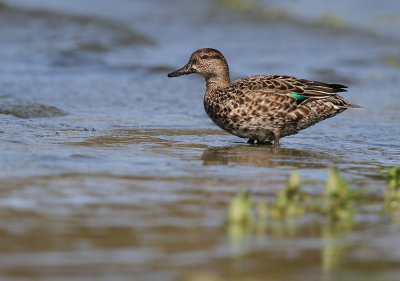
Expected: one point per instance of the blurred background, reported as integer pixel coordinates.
(111, 171)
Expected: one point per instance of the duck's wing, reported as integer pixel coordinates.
(300, 89)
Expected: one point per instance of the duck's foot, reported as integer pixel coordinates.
(250, 141)
(264, 142)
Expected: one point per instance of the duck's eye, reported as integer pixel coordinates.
(205, 57)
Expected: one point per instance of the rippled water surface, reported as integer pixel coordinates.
(111, 171)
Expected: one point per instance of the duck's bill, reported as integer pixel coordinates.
(183, 71)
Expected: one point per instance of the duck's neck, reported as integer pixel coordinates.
(219, 81)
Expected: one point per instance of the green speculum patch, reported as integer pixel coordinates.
(299, 98)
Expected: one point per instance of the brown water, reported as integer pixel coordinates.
(111, 171)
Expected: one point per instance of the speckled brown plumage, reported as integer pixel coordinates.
(262, 107)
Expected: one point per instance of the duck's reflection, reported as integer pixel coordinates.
(265, 156)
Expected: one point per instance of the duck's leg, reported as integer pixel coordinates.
(276, 140)
(250, 141)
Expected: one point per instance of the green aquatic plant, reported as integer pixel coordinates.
(240, 209)
(239, 222)
(262, 213)
(243, 214)
(238, 4)
(334, 248)
(256, 9)
(392, 177)
(337, 203)
(332, 20)
(289, 198)
(392, 193)
(392, 60)
(338, 198)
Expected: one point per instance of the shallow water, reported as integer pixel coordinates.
(111, 171)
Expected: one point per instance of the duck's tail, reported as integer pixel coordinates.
(352, 105)
(316, 110)
(337, 101)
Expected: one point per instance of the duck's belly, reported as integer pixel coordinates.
(244, 127)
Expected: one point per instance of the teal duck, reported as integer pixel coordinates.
(262, 108)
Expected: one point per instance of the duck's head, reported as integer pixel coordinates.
(207, 62)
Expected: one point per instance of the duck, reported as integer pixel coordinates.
(262, 108)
